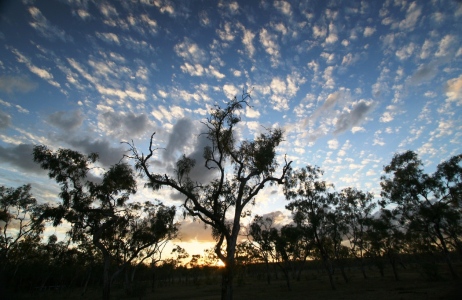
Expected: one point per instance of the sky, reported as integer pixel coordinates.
(351, 83)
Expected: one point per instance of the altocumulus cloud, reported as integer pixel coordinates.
(353, 117)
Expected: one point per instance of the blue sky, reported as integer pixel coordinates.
(351, 83)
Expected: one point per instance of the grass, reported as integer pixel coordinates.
(312, 285)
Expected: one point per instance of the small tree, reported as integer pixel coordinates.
(311, 203)
(336, 229)
(357, 208)
(385, 239)
(287, 247)
(120, 230)
(242, 170)
(18, 219)
(261, 234)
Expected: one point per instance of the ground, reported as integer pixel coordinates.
(312, 285)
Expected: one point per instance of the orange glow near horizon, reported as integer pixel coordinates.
(220, 264)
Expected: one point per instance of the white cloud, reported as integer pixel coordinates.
(329, 79)
(253, 126)
(42, 73)
(269, 42)
(136, 95)
(445, 45)
(368, 31)
(412, 16)
(454, 90)
(152, 24)
(389, 114)
(45, 28)
(226, 34)
(333, 37)
(247, 40)
(108, 10)
(406, 51)
(332, 144)
(83, 14)
(190, 51)
(329, 57)
(169, 114)
(162, 93)
(230, 91)
(377, 139)
(193, 70)
(251, 113)
(280, 27)
(284, 7)
(319, 31)
(108, 37)
(355, 129)
(426, 48)
(214, 72)
(278, 86)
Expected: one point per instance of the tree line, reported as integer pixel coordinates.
(416, 213)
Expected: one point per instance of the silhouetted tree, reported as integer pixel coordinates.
(260, 233)
(222, 202)
(357, 208)
(18, 219)
(310, 204)
(385, 239)
(120, 230)
(426, 205)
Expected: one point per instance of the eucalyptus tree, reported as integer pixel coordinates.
(282, 246)
(449, 189)
(241, 168)
(357, 207)
(337, 228)
(20, 232)
(385, 239)
(18, 219)
(427, 205)
(310, 203)
(260, 234)
(123, 232)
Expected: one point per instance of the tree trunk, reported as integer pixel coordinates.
(86, 282)
(106, 278)
(153, 278)
(445, 251)
(227, 281)
(285, 272)
(329, 270)
(392, 260)
(342, 270)
(268, 275)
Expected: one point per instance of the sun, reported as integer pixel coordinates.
(220, 264)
